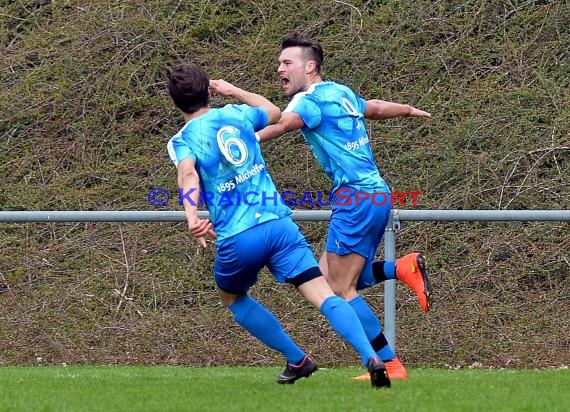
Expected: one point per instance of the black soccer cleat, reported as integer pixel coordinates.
(378, 374)
(294, 372)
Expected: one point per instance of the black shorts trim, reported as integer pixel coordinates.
(306, 276)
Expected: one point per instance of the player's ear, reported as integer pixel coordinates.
(310, 66)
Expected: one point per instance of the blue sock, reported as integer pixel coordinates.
(382, 348)
(345, 322)
(389, 269)
(372, 328)
(261, 323)
(384, 270)
(376, 272)
(367, 318)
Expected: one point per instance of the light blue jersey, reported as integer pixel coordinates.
(334, 129)
(234, 182)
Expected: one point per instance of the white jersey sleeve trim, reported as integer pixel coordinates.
(298, 97)
(172, 152)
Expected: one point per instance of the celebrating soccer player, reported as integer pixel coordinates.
(331, 118)
(213, 148)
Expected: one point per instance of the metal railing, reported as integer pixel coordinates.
(309, 215)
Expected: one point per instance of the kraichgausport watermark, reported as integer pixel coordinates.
(160, 197)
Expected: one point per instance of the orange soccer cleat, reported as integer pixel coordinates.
(411, 269)
(395, 369)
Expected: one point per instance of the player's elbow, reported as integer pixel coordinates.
(273, 114)
(187, 174)
(373, 110)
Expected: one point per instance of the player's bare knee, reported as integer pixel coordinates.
(342, 292)
(227, 298)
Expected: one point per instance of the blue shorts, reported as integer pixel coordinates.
(277, 244)
(357, 223)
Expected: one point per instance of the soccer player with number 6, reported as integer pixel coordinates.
(216, 151)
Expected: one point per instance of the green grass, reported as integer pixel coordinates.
(140, 388)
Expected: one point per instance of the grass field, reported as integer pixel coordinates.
(141, 388)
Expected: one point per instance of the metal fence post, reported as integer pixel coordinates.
(390, 285)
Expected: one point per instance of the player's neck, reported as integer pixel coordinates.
(314, 80)
(199, 112)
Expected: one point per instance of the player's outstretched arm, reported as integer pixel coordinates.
(226, 89)
(189, 186)
(380, 109)
(288, 122)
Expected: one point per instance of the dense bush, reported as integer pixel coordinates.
(85, 117)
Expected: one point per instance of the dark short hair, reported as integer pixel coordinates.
(312, 49)
(188, 86)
